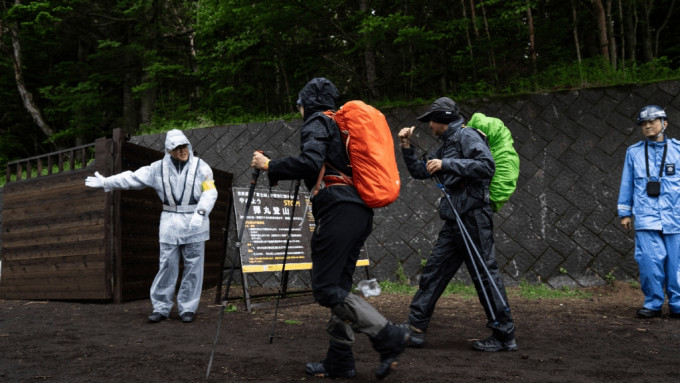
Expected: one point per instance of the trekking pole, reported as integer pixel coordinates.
(468, 243)
(285, 257)
(253, 182)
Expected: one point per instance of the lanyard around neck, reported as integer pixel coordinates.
(663, 160)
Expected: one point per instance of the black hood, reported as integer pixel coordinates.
(318, 95)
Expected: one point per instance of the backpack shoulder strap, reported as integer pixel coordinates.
(483, 135)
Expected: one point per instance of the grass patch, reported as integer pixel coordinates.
(543, 291)
(525, 290)
(460, 288)
(397, 288)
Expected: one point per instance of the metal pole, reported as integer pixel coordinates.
(285, 257)
(253, 182)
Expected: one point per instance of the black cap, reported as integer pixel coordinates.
(442, 110)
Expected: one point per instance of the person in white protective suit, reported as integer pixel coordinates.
(650, 191)
(186, 186)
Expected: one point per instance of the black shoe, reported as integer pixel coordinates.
(156, 317)
(493, 344)
(416, 336)
(646, 313)
(188, 317)
(318, 370)
(674, 315)
(390, 343)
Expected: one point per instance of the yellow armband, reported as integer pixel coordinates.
(207, 185)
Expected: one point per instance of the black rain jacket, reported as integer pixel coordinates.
(320, 142)
(467, 169)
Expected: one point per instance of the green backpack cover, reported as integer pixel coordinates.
(504, 181)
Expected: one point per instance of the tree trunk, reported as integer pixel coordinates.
(612, 39)
(602, 29)
(492, 58)
(469, 41)
(663, 25)
(575, 30)
(369, 58)
(647, 46)
(147, 104)
(473, 17)
(631, 30)
(192, 52)
(623, 38)
(130, 121)
(532, 43)
(26, 96)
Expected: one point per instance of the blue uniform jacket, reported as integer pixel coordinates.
(651, 213)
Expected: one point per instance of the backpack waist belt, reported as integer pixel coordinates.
(337, 180)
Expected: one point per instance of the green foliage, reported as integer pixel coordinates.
(230, 308)
(540, 290)
(401, 275)
(610, 278)
(594, 72)
(149, 65)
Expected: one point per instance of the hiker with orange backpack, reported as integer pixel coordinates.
(463, 166)
(343, 221)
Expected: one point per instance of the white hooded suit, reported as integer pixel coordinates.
(185, 190)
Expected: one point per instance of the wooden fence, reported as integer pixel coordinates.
(63, 240)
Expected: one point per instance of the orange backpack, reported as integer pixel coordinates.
(370, 149)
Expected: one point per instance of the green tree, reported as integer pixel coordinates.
(84, 67)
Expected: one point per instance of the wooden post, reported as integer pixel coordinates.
(103, 164)
(116, 245)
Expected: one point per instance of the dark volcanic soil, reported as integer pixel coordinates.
(560, 340)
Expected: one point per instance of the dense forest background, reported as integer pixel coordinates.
(73, 70)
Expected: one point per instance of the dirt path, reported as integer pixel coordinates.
(574, 340)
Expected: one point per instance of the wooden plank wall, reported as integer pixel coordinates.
(53, 239)
(140, 212)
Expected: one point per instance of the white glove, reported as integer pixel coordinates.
(95, 182)
(196, 222)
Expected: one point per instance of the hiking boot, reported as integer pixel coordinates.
(493, 344)
(390, 343)
(318, 370)
(646, 313)
(416, 336)
(156, 317)
(674, 315)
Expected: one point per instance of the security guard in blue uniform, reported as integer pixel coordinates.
(650, 191)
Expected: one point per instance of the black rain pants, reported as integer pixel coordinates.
(447, 256)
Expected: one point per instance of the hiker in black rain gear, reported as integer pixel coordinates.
(342, 224)
(465, 166)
